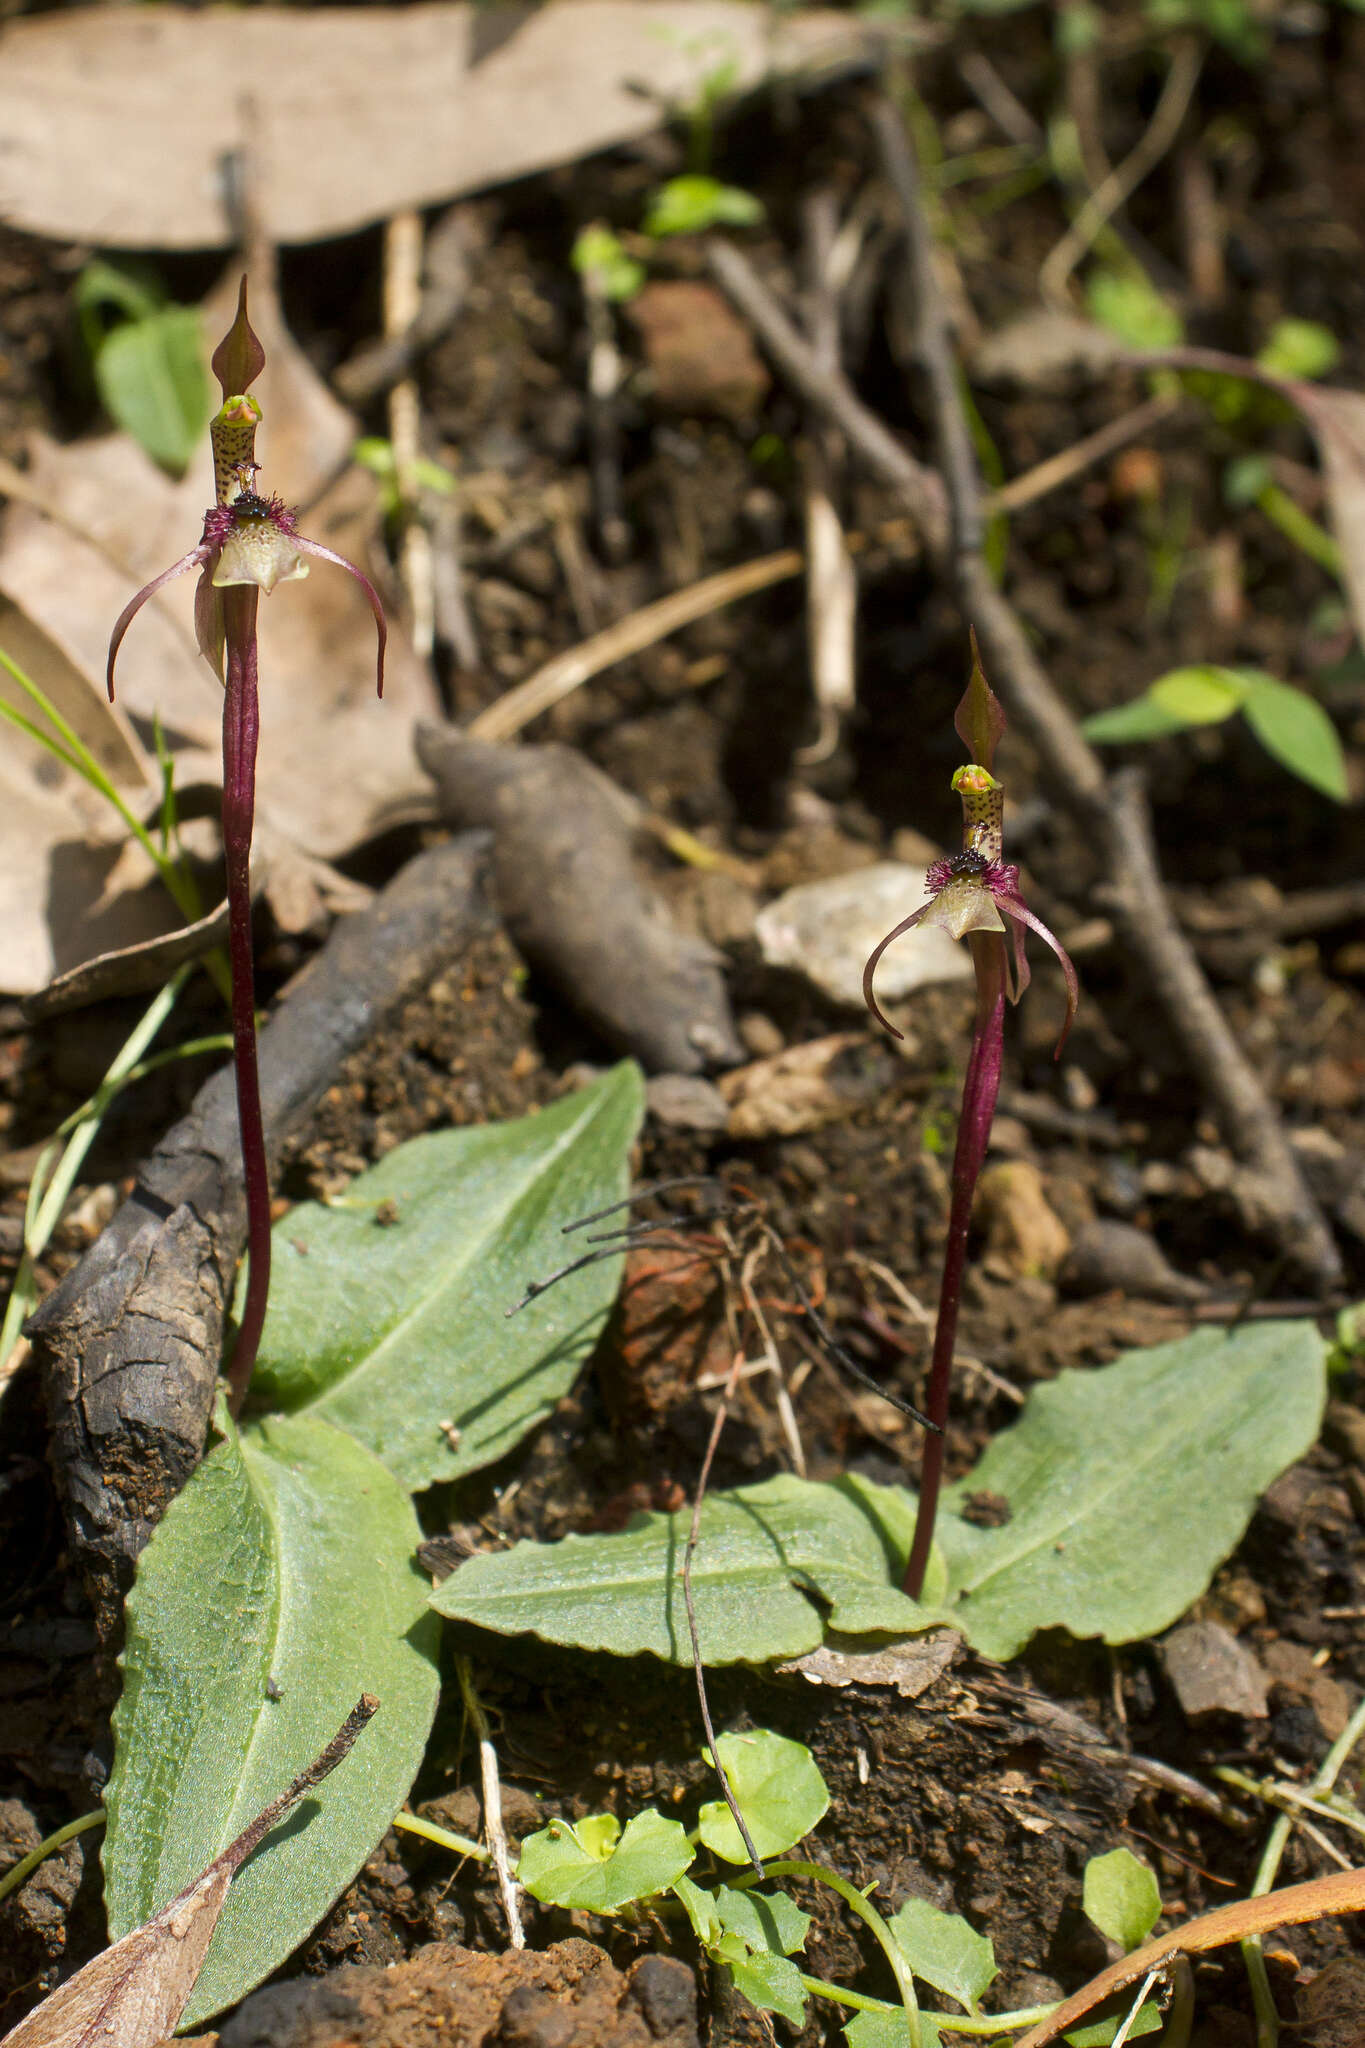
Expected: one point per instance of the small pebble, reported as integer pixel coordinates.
(1107, 1254)
(686, 1103)
(1212, 1673)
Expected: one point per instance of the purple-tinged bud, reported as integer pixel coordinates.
(239, 358)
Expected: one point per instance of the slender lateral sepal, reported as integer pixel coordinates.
(250, 543)
(973, 895)
(192, 560)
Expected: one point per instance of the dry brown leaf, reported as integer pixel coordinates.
(357, 113)
(133, 1994)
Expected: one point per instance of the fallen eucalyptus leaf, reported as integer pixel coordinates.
(134, 1994)
(279, 1581)
(486, 94)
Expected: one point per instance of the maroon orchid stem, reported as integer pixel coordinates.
(979, 1091)
(241, 729)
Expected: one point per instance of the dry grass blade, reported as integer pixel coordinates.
(1341, 1892)
(133, 1995)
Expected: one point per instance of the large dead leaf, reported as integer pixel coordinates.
(335, 765)
(133, 1994)
(357, 112)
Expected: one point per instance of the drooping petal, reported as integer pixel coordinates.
(130, 611)
(381, 624)
(209, 628)
(906, 924)
(1015, 907)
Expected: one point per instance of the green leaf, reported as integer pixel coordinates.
(769, 1982)
(1121, 1897)
(1245, 479)
(700, 1908)
(154, 383)
(284, 1568)
(1129, 1485)
(780, 1792)
(888, 2030)
(1129, 305)
(767, 1554)
(1300, 348)
(1294, 728)
(558, 1867)
(1099, 2033)
(768, 1921)
(1200, 695)
(1143, 719)
(944, 1950)
(388, 1310)
(691, 204)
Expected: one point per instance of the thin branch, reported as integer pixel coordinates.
(921, 491)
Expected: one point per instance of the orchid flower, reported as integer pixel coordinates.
(971, 894)
(248, 545)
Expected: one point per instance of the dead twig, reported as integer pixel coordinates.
(1112, 811)
(491, 1784)
(921, 491)
(1049, 476)
(382, 364)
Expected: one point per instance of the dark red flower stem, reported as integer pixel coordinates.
(241, 730)
(979, 1091)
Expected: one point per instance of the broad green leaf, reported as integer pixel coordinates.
(650, 1857)
(888, 2030)
(769, 1982)
(154, 383)
(780, 1792)
(389, 1309)
(280, 1586)
(1127, 1486)
(767, 1554)
(1121, 1897)
(1200, 695)
(765, 1920)
(1294, 728)
(945, 1951)
(1126, 724)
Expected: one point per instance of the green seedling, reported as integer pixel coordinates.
(1291, 726)
(594, 1865)
(376, 455)
(692, 204)
(1121, 1898)
(148, 360)
(607, 269)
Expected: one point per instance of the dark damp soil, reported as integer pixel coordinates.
(988, 1791)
